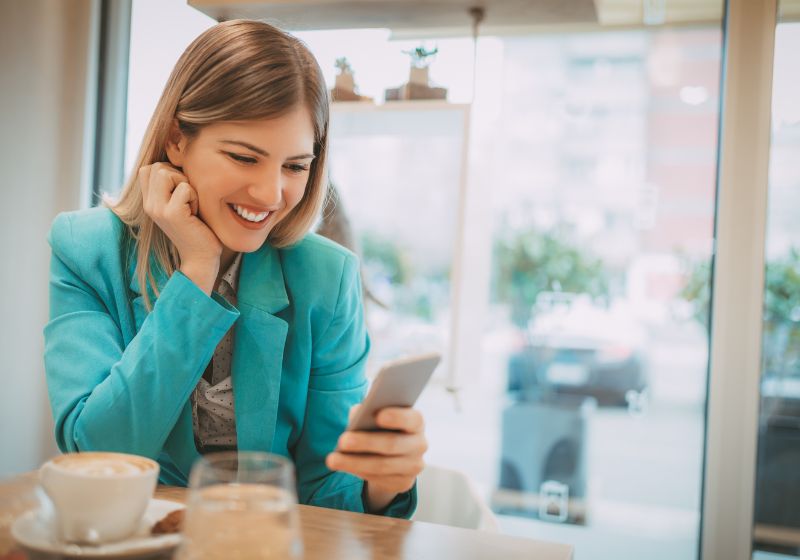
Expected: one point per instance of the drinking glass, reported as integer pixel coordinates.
(241, 505)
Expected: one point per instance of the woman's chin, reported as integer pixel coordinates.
(246, 247)
(243, 244)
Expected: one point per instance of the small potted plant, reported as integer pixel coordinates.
(345, 88)
(418, 85)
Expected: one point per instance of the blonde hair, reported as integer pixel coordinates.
(235, 71)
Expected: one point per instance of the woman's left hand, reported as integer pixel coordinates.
(388, 461)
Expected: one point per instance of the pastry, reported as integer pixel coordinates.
(171, 523)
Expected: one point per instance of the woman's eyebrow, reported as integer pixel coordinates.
(302, 156)
(246, 145)
(263, 152)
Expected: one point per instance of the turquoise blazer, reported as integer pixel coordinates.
(119, 378)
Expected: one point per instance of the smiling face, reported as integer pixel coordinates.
(248, 175)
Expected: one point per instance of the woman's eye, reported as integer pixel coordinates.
(297, 168)
(241, 159)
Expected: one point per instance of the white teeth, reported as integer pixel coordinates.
(250, 216)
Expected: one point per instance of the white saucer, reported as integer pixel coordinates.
(34, 533)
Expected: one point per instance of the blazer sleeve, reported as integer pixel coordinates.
(337, 382)
(109, 396)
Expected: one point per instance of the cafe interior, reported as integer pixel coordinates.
(586, 209)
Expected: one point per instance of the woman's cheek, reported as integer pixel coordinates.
(298, 192)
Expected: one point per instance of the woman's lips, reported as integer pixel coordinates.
(247, 223)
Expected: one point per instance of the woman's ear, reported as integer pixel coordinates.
(176, 145)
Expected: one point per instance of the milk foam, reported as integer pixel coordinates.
(100, 466)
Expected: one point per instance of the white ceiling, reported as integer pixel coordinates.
(401, 14)
(452, 16)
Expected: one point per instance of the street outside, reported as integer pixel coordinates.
(644, 469)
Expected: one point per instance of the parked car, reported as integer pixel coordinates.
(777, 476)
(575, 346)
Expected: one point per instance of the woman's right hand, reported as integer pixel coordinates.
(172, 204)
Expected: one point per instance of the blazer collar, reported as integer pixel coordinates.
(261, 281)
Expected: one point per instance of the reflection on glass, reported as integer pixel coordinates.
(603, 214)
(597, 156)
(777, 490)
(398, 169)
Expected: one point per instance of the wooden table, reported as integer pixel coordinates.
(333, 535)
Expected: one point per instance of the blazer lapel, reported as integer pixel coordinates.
(180, 443)
(259, 339)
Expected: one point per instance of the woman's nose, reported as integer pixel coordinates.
(268, 190)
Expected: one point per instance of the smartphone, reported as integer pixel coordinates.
(399, 383)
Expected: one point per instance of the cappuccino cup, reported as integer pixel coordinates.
(98, 497)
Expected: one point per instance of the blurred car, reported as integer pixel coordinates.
(777, 476)
(574, 346)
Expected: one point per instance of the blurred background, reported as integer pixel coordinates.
(548, 226)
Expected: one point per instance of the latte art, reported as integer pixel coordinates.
(102, 464)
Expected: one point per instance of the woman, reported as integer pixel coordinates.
(197, 313)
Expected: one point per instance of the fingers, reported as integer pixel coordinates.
(391, 444)
(163, 181)
(389, 461)
(158, 181)
(183, 200)
(404, 419)
(370, 466)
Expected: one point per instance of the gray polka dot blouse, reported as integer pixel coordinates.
(212, 398)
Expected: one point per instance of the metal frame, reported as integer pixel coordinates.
(738, 281)
(108, 138)
(90, 109)
(458, 305)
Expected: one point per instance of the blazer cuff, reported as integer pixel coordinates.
(402, 507)
(197, 297)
